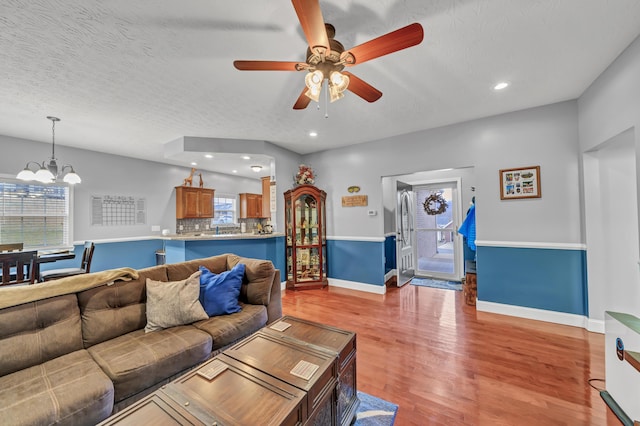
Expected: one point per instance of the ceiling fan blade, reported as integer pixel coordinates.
(408, 36)
(303, 100)
(362, 88)
(269, 66)
(312, 23)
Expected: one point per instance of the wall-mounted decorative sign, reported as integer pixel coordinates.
(523, 182)
(355, 201)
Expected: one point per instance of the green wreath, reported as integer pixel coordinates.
(435, 204)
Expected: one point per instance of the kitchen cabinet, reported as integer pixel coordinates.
(250, 206)
(266, 196)
(306, 245)
(194, 202)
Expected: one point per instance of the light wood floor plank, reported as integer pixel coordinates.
(444, 363)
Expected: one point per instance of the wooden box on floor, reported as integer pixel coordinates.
(470, 289)
(277, 357)
(341, 343)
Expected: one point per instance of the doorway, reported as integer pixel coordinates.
(437, 219)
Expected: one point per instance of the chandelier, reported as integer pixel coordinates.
(48, 172)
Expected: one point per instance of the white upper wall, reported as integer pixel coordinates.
(106, 174)
(546, 136)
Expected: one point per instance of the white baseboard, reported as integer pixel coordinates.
(596, 326)
(353, 285)
(541, 315)
(392, 273)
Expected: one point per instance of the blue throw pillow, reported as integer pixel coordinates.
(219, 293)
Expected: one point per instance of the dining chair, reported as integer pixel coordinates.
(13, 267)
(11, 247)
(85, 265)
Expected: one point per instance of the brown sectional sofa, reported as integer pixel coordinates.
(75, 355)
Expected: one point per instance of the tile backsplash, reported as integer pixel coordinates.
(195, 226)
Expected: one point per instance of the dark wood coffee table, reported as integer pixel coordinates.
(341, 343)
(237, 395)
(278, 358)
(255, 382)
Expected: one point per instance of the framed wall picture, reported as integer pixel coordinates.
(523, 182)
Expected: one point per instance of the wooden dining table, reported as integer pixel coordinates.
(48, 256)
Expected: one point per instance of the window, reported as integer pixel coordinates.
(35, 214)
(224, 208)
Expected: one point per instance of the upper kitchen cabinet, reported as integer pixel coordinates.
(251, 206)
(193, 202)
(266, 196)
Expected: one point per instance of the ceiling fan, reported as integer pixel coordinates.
(327, 57)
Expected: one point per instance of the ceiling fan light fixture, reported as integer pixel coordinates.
(335, 93)
(314, 79)
(313, 93)
(339, 80)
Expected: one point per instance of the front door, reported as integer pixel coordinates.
(438, 247)
(405, 264)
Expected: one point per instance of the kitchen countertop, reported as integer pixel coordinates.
(201, 237)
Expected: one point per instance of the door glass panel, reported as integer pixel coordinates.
(435, 232)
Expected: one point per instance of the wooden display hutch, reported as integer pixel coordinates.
(306, 246)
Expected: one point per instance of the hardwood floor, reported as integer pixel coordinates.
(444, 363)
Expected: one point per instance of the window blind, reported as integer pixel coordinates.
(35, 214)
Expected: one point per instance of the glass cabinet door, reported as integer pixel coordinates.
(305, 245)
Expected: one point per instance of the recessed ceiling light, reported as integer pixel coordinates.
(246, 157)
(313, 134)
(501, 85)
(234, 171)
(193, 163)
(208, 156)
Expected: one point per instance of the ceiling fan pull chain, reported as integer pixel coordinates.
(326, 100)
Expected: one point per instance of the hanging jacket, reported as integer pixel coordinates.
(468, 227)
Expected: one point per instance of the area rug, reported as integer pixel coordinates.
(375, 411)
(430, 282)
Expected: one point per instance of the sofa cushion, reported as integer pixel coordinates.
(258, 279)
(36, 332)
(226, 329)
(219, 293)
(109, 311)
(70, 389)
(171, 303)
(182, 270)
(138, 360)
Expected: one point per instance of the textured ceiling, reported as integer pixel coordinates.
(127, 77)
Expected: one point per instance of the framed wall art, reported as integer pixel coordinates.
(523, 182)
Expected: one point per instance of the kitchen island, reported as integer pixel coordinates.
(183, 247)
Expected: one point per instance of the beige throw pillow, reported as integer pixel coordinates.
(173, 303)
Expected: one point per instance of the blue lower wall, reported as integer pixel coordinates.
(142, 253)
(389, 253)
(259, 248)
(550, 279)
(109, 255)
(359, 261)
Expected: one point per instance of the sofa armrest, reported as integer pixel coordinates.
(274, 308)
